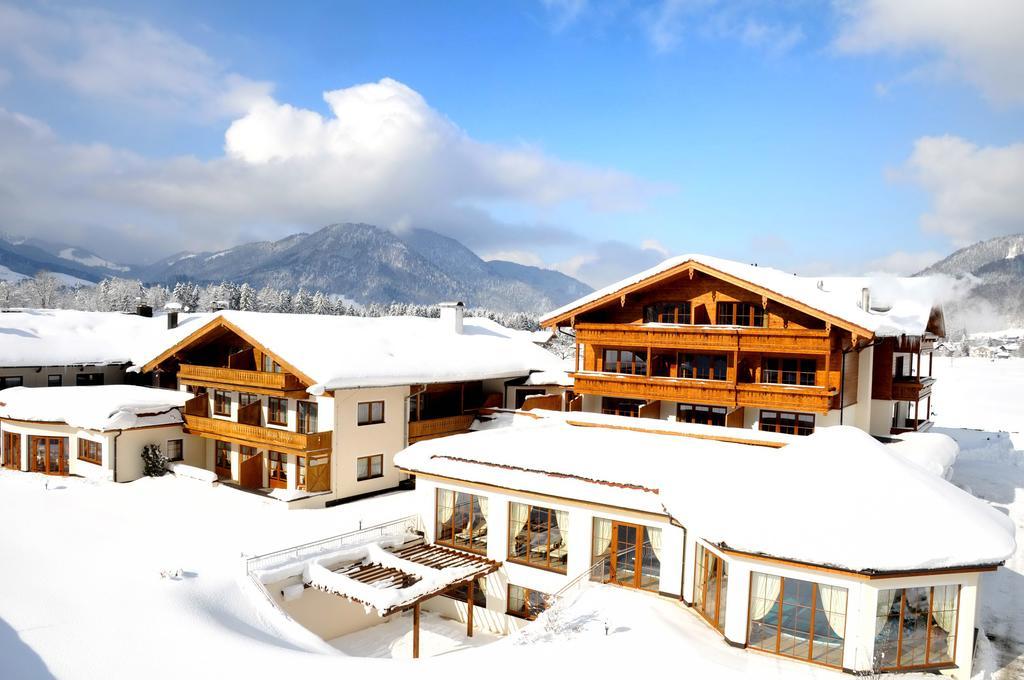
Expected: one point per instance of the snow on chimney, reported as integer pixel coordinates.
(865, 299)
(452, 314)
(172, 309)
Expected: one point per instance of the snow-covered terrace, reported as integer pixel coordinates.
(837, 498)
(100, 408)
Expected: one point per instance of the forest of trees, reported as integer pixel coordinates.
(46, 291)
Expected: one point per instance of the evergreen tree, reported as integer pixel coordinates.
(247, 298)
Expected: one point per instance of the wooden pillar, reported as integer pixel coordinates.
(416, 631)
(931, 359)
(469, 609)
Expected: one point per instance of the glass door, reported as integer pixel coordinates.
(624, 554)
(49, 455)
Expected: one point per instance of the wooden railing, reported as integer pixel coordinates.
(720, 393)
(798, 341)
(912, 389)
(239, 377)
(439, 427)
(264, 437)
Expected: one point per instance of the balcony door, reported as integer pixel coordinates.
(12, 450)
(633, 560)
(49, 455)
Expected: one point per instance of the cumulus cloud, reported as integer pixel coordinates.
(975, 190)
(99, 54)
(980, 42)
(382, 156)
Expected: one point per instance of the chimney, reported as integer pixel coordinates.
(144, 310)
(865, 299)
(219, 305)
(172, 309)
(452, 314)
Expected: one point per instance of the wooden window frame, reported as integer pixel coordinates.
(304, 424)
(475, 543)
(527, 612)
(268, 365)
(700, 565)
(247, 398)
(614, 550)
(221, 403)
(699, 408)
(636, 367)
(300, 473)
(730, 314)
(525, 559)
(616, 410)
(369, 467)
(775, 367)
(693, 358)
(181, 449)
(679, 313)
(90, 451)
(220, 446)
(63, 454)
(277, 476)
(272, 412)
(12, 445)
(777, 427)
(370, 420)
(928, 633)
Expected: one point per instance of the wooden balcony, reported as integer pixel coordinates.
(439, 427)
(726, 339)
(260, 437)
(715, 392)
(239, 378)
(912, 389)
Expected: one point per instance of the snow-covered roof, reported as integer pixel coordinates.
(99, 407)
(911, 299)
(836, 498)
(341, 352)
(62, 337)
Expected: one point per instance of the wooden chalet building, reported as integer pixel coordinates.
(310, 409)
(706, 340)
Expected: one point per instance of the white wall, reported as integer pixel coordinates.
(37, 376)
(352, 441)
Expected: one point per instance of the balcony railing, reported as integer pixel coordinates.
(799, 341)
(239, 377)
(719, 393)
(439, 427)
(253, 435)
(912, 388)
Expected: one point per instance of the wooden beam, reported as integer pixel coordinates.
(416, 631)
(469, 608)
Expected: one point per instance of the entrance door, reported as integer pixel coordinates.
(627, 544)
(250, 473)
(12, 450)
(49, 455)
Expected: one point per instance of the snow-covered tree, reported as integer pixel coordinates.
(321, 304)
(302, 303)
(42, 289)
(247, 298)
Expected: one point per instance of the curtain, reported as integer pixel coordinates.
(944, 612)
(833, 602)
(765, 594)
(482, 502)
(602, 536)
(519, 515)
(885, 600)
(654, 536)
(445, 506)
(562, 517)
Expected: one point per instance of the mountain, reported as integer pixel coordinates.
(368, 264)
(23, 257)
(997, 296)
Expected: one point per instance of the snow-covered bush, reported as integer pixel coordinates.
(154, 460)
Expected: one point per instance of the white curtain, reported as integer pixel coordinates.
(446, 506)
(602, 536)
(654, 536)
(833, 601)
(944, 611)
(562, 517)
(520, 515)
(765, 594)
(885, 600)
(482, 502)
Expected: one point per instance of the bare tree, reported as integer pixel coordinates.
(42, 289)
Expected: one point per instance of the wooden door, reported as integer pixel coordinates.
(49, 455)
(318, 473)
(250, 471)
(626, 557)
(12, 450)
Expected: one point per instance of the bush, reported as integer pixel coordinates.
(155, 462)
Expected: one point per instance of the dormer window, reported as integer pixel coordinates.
(668, 312)
(739, 314)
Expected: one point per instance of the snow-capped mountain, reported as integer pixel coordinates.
(23, 257)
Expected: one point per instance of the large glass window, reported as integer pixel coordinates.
(525, 603)
(538, 536)
(87, 379)
(739, 314)
(221, 403)
(702, 415)
(615, 406)
(277, 411)
(916, 627)
(628, 361)
(627, 554)
(786, 423)
(703, 366)
(90, 451)
(789, 371)
(306, 414)
(801, 619)
(710, 586)
(667, 312)
(461, 520)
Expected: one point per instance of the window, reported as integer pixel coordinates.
(369, 467)
(461, 520)
(801, 619)
(370, 412)
(300, 472)
(703, 366)
(246, 398)
(278, 471)
(222, 458)
(787, 423)
(277, 411)
(631, 362)
(739, 314)
(12, 450)
(306, 413)
(461, 593)
(86, 379)
(710, 586)
(621, 407)
(789, 371)
(175, 449)
(10, 381)
(54, 380)
(90, 451)
(221, 403)
(525, 603)
(270, 366)
(701, 415)
(916, 627)
(538, 536)
(667, 312)
(626, 554)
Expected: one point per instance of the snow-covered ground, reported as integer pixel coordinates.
(81, 592)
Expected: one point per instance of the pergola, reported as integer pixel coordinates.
(402, 578)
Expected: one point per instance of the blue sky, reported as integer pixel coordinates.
(592, 137)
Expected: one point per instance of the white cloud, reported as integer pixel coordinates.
(99, 54)
(524, 257)
(668, 22)
(383, 156)
(610, 261)
(975, 190)
(981, 42)
(564, 13)
(902, 263)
